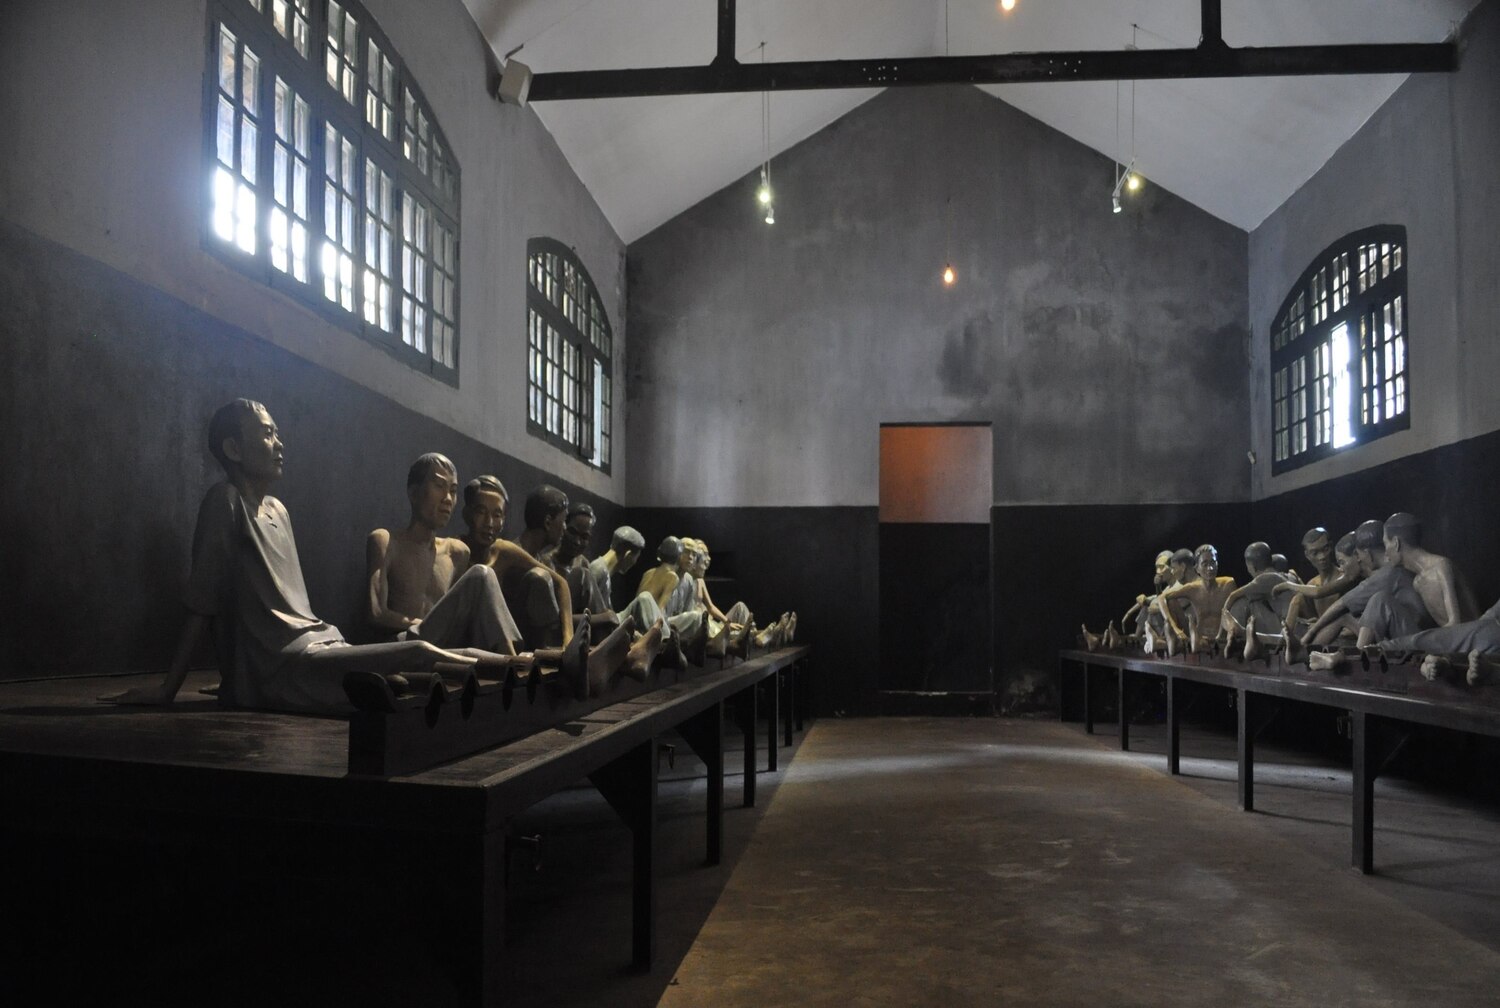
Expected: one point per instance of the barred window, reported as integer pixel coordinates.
(329, 177)
(1339, 374)
(570, 373)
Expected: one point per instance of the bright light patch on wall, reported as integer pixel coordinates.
(1007, 5)
(949, 276)
(1343, 413)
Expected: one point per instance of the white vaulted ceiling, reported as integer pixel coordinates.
(1235, 147)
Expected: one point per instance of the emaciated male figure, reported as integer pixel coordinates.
(1204, 599)
(1386, 602)
(661, 581)
(1437, 581)
(421, 584)
(536, 595)
(246, 575)
(1348, 572)
(1252, 608)
(545, 514)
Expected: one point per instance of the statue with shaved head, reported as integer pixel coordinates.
(1203, 599)
(421, 584)
(1253, 609)
(536, 595)
(246, 580)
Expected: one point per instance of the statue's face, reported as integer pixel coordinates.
(1319, 553)
(575, 536)
(259, 447)
(1179, 569)
(627, 560)
(486, 517)
(1208, 565)
(1392, 549)
(1348, 563)
(1163, 567)
(432, 500)
(554, 524)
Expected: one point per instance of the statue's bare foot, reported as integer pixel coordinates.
(570, 664)
(741, 638)
(1293, 648)
(791, 628)
(1435, 667)
(1148, 641)
(1091, 641)
(1253, 649)
(1477, 673)
(1325, 661)
(718, 644)
(643, 652)
(1109, 640)
(605, 659)
(695, 648)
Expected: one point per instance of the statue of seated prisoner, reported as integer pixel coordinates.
(246, 575)
(535, 593)
(1203, 599)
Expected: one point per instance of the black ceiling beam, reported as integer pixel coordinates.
(1211, 58)
(1008, 68)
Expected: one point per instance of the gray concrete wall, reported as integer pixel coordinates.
(103, 141)
(123, 331)
(1108, 350)
(1427, 160)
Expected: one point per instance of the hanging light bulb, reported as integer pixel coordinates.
(1007, 5)
(764, 192)
(1115, 202)
(948, 275)
(1133, 182)
(770, 213)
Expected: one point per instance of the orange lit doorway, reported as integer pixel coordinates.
(936, 489)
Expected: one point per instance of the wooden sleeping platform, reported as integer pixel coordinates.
(262, 783)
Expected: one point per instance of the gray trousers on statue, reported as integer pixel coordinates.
(646, 612)
(1481, 635)
(473, 614)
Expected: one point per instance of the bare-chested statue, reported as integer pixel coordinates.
(661, 581)
(536, 595)
(1386, 603)
(1203, 598)
(1442, 588)
(1143, 612)
(1317, 547)
(246, 577)
(545, 514)
(421, 584)
(1322, 592)
(1252, 609)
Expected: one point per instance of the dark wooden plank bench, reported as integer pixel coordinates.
(281, 782)
(1379, 700)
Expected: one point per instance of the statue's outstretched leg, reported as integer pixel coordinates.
(605, 659)
(643, 652)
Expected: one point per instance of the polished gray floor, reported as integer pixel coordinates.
(986, 862)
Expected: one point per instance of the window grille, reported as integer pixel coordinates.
(1339, 374)
(328, 175)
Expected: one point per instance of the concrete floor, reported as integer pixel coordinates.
(974, 861)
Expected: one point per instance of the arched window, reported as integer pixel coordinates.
(1339, 372)
(328, 177)
(569, 362)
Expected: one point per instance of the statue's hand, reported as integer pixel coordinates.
(1281, 586)
(150, 696)
(412, 626)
